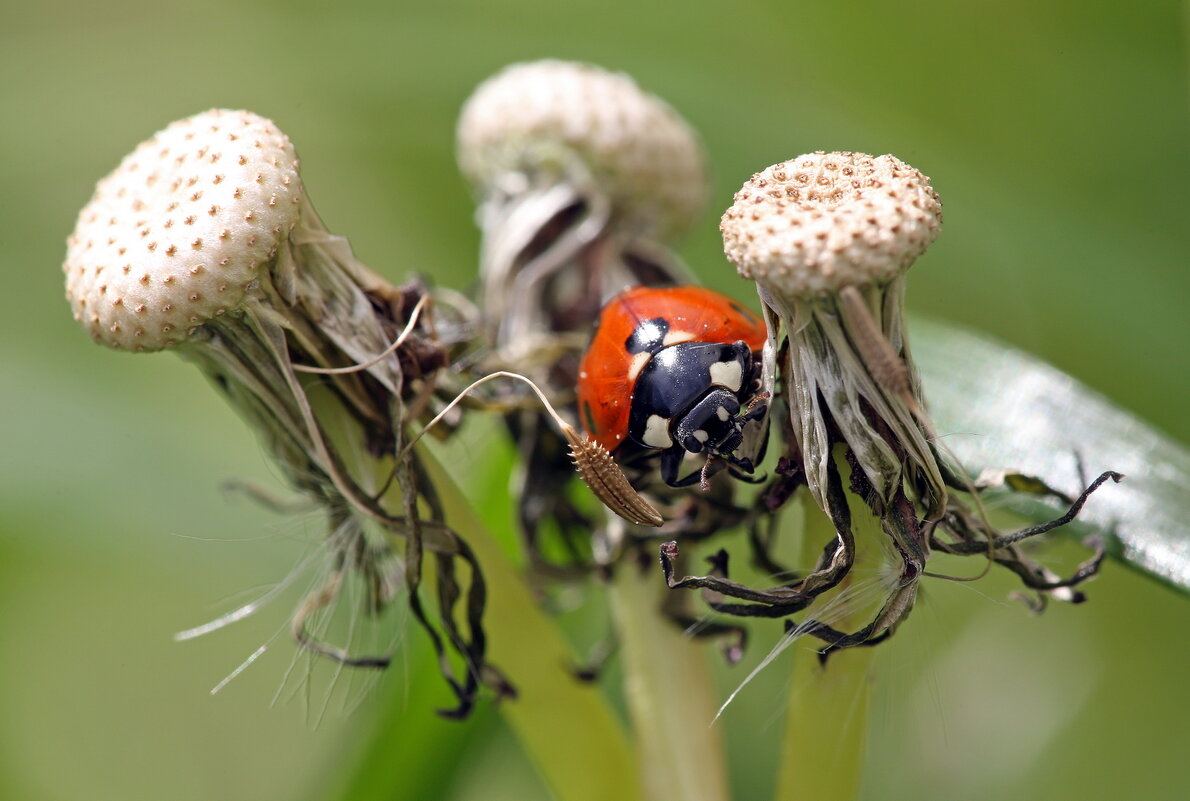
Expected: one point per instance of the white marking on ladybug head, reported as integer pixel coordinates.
(701, 435)
(728, 374)
(657, 432)
(722, 414)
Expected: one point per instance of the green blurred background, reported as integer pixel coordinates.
(1056, 134)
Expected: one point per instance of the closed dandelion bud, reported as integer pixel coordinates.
(582, 180)
(828, 238)
(203, 240)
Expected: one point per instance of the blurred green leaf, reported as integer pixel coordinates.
(1005, 409)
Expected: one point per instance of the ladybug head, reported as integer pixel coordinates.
(688, 400)
(715, 426)
(712, 424)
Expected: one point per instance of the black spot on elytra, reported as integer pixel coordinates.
(649, 336)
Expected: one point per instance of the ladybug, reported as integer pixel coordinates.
(674, 370)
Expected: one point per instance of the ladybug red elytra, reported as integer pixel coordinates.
(674, 370)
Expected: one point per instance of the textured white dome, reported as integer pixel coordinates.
(178, 233)
(532, 116)
(820, 222)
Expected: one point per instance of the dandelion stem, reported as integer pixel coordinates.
(826, 727)
(669, 693)
(565, 727)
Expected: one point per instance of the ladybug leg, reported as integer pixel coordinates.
(742, 463)
(741, 468)
(671, 464)
(747, 479)
(690, 480)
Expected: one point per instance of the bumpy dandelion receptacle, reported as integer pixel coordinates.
(828, 238)
(203, 242)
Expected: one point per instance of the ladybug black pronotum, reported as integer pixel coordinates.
(676, 371)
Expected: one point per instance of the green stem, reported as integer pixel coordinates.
(567, 728)
(826, 725)
(669, 694)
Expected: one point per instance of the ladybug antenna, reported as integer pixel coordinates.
(595, 465)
